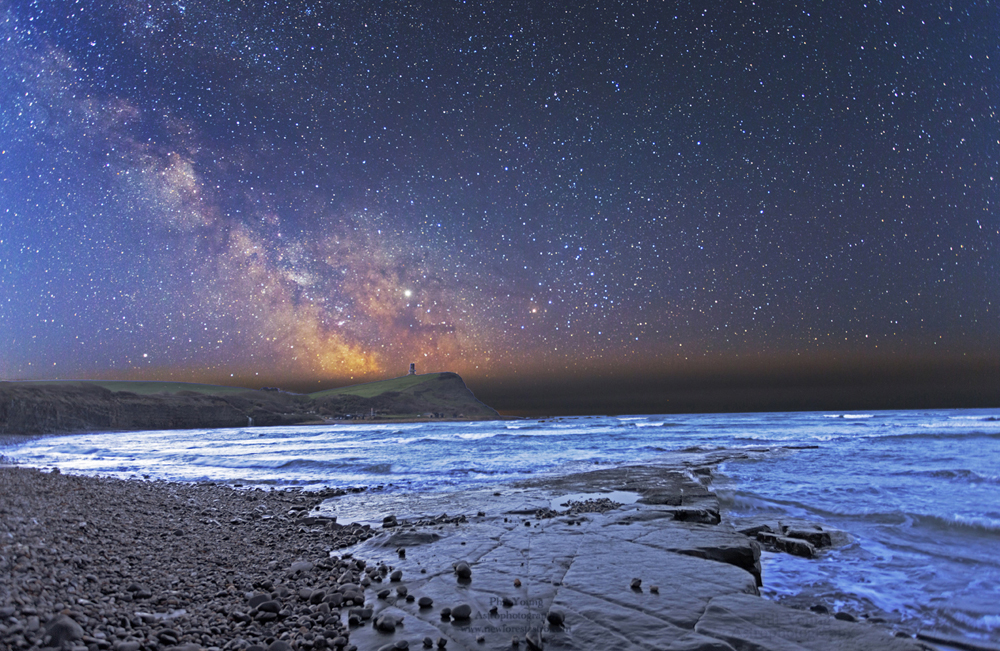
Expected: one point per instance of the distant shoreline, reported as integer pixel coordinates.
(87, 406)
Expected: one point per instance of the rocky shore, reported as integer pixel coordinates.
(96, 564)
(93, 563)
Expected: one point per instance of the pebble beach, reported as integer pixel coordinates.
(92, 563)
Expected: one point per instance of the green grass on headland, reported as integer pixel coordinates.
(372, 389)
(367, 390)
(147, 388)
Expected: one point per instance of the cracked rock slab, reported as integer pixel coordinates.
(754, 624)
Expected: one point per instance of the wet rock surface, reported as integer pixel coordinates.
(791, 536)
(761, 624)
(98, 564)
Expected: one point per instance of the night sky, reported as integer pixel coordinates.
(531, 194)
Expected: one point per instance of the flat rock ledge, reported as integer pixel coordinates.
(634, 558)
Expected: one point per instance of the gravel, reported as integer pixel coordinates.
(101, 564)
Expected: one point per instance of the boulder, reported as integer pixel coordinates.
(794, 546)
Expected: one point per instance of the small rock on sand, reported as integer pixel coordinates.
(386, 623)
(463, 570)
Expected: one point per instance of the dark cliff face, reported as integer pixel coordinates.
(50, 408)
(81, 407)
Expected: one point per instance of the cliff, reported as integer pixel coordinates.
(34, 408)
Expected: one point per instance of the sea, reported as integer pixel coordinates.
(918, 491)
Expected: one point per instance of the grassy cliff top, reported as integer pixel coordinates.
(372, 389)
(366, 390)
(143, 388)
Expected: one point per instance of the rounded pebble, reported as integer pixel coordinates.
(385, 623)
(62, 630)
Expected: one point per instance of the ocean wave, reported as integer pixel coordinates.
(434, 439)
(988, 623)
(704, 447)
(976, 524)
(342, 466)
(935, 435)
(84, 450)
(452, 439)
(849, 416)
(988, 423)
(959, 475)
(310, 464)
(963, 525)
(478, 436)
(543, 432)
(478, 471)
(770, 437)
(957, 523)
(745, 503)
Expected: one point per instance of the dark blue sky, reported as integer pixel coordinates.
(320, 192)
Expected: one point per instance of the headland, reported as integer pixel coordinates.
(56, 407)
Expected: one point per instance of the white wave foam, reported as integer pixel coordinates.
(477, 436)
(978, 522)
(984, 623)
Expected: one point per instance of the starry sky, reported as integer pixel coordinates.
(531, 194)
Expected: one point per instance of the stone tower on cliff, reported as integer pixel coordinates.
(413, 369)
